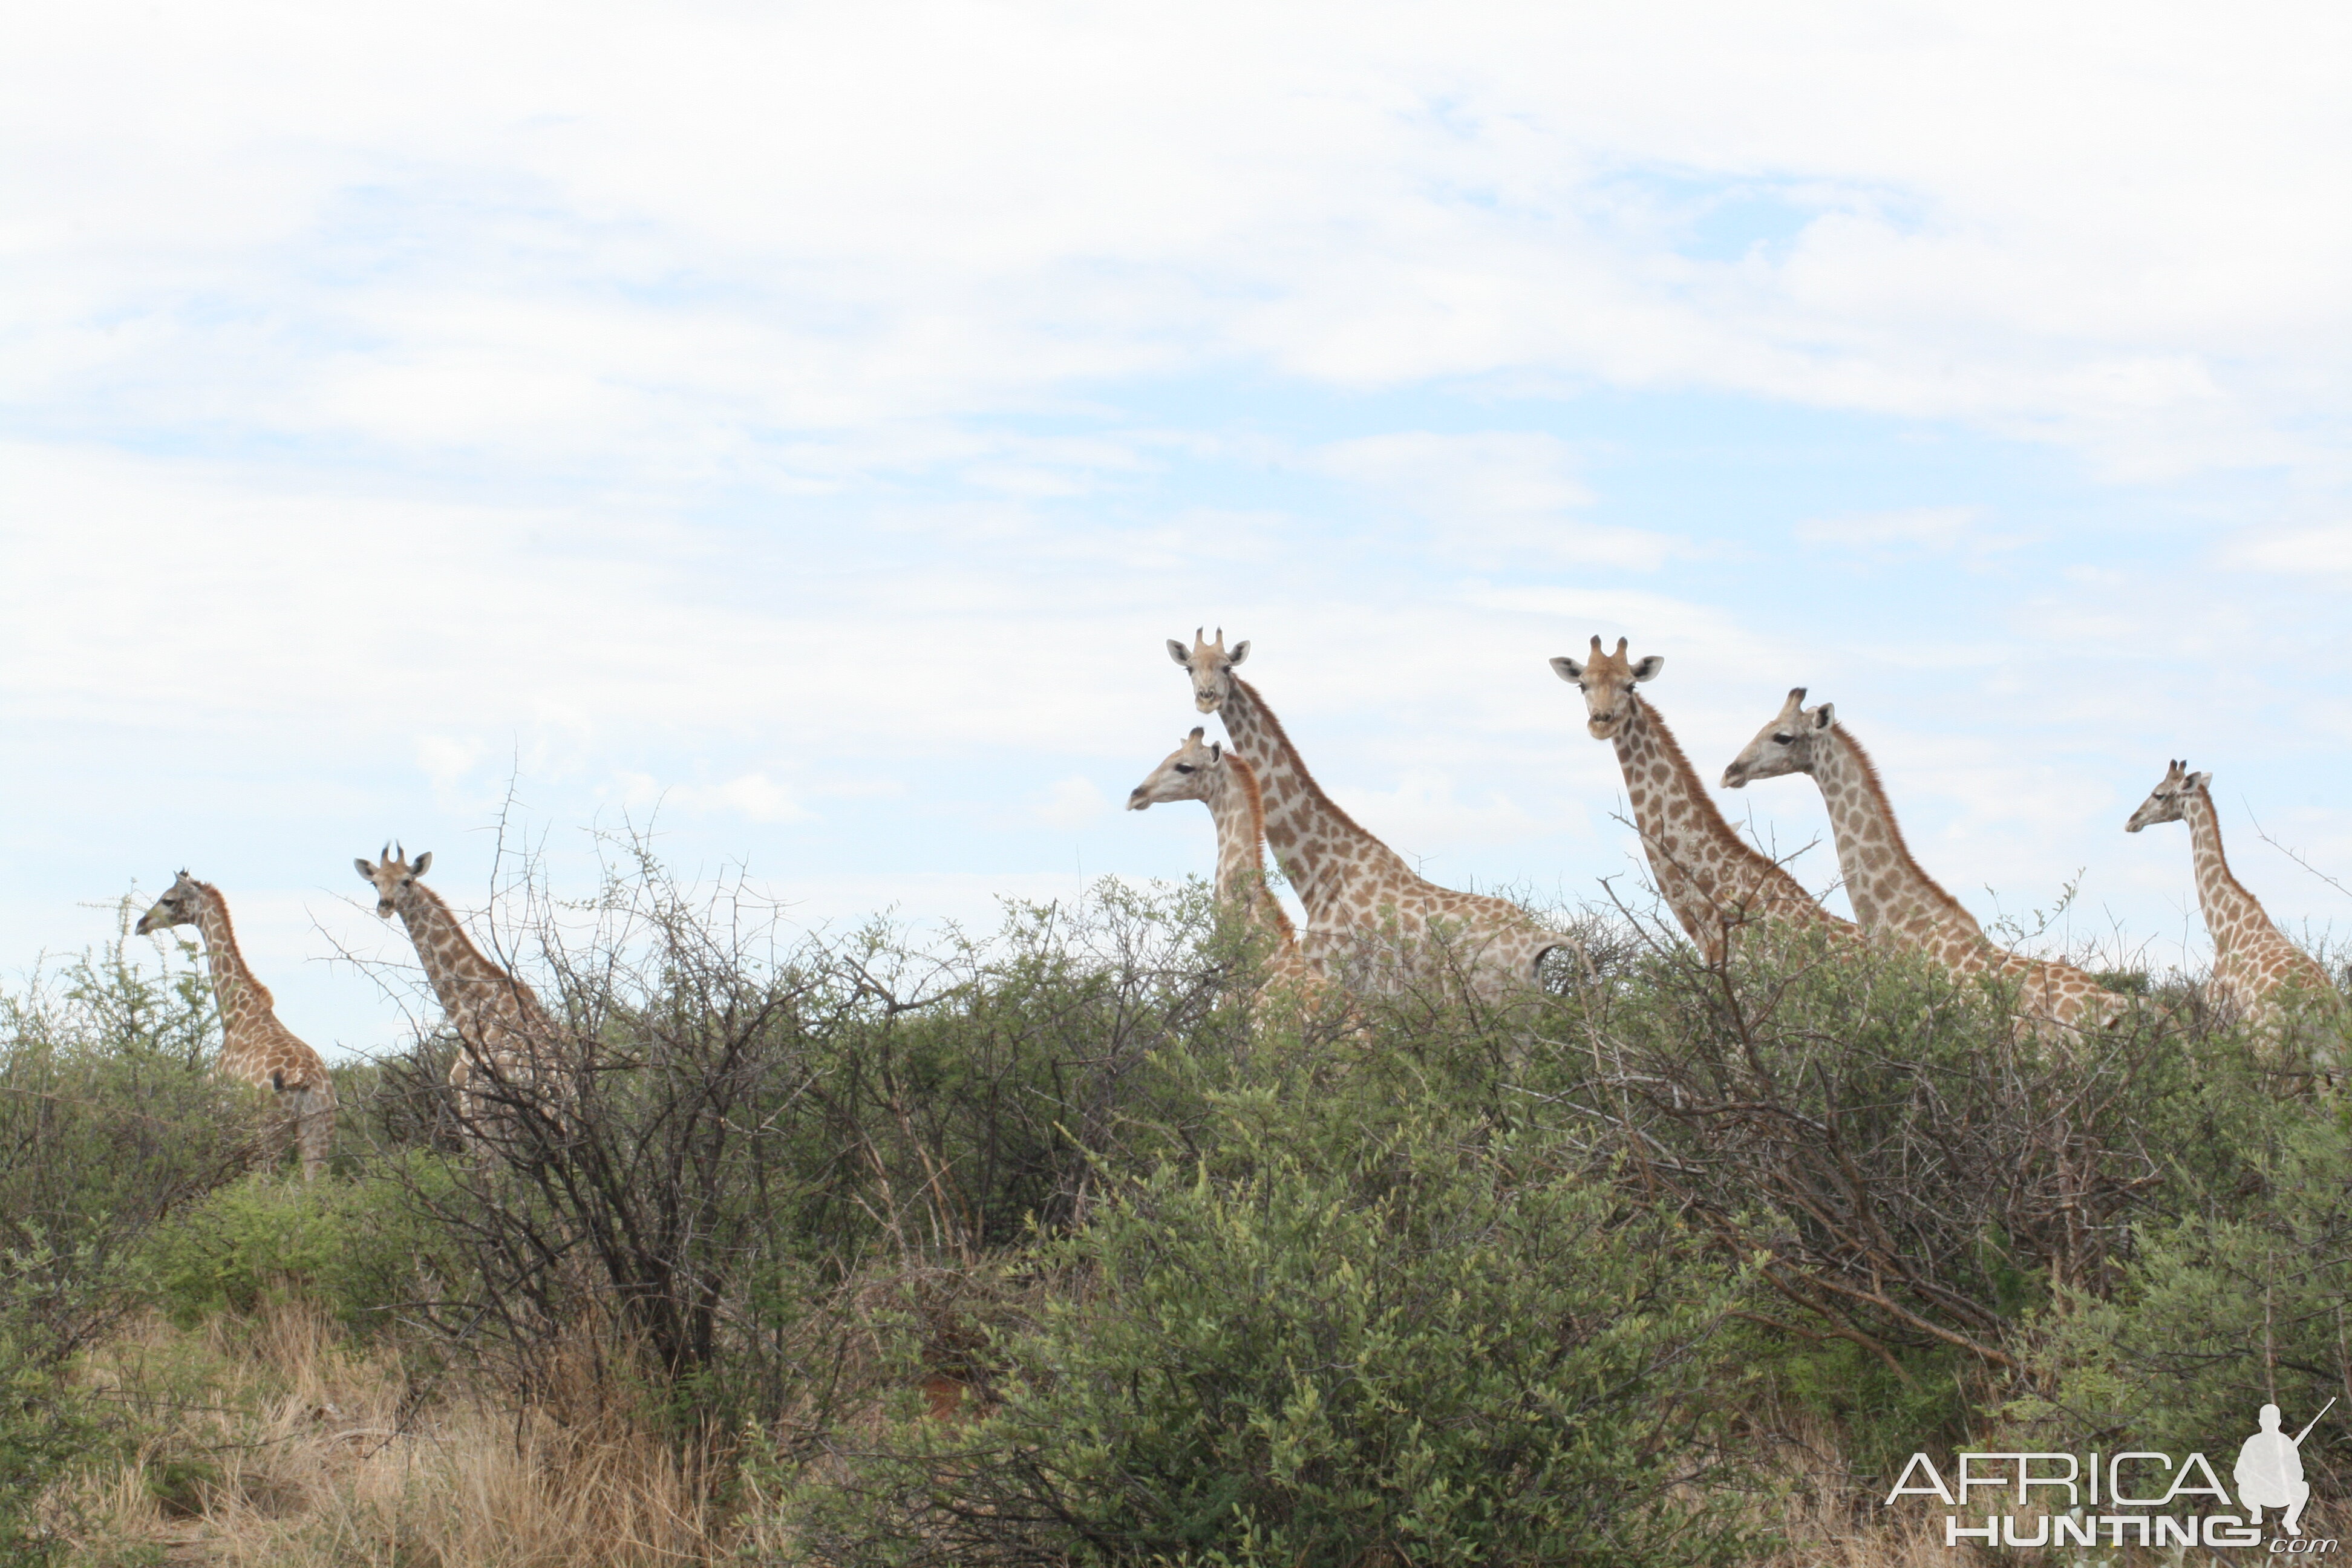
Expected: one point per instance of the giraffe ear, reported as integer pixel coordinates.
(1237, 653)
(1568, 669)
(1647, 669)
(1825, 715)
(1179, 653)
(1216, 751)
(424, 863)
(367, 872)
(2200, 781)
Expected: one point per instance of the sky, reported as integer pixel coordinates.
(796, 431)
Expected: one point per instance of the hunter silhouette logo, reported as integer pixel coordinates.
(2270, 1469)
(2139, 1497)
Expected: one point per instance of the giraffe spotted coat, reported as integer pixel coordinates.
(509, 1049)
(2254, 965)
(1368, 916)
(1894, 897)
(1712, 878)
(256, 1048)
(1208, 772)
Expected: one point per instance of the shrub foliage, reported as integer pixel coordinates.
(1060, 1245)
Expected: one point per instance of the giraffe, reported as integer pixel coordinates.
(1893, 897)
(506, 1039)
(1229, 787)
(1712, 878)
(256, 1048)
(1357, 891)
(2254, 962)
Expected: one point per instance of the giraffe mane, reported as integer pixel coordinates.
(1878, 787)
(1716, 825)
(514, 985)
(1306, 779)
(456, 926)
(219, 902)
(2204, 791)
(1254, 800)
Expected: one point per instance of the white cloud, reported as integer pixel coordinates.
(755, 797)
(446, 761)
(1425, 814)
(1927, 527)
(2309, 549)
(1958, 531)
(1071, 802)
(649, 237)
(1488, 499)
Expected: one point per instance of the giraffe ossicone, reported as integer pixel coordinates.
(1713, 880)
(511, 1057)
(1894, 897)
(256, 1048)
(1369, 915)
(2255, 967)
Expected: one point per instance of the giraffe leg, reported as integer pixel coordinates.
(278, 1122)
(468, 1104)
(315, 1132)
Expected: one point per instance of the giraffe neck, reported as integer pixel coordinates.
(458, 969)
(1700, 862)
(1887, 886)
(245, 1001)
(1238, 807)
(1318, 846)
(2232, 913)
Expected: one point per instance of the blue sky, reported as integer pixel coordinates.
(800, 427)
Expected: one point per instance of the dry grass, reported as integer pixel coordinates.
(1820, 1526)
(278, 1441)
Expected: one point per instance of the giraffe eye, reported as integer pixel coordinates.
(1184, 767)
(1782, 740)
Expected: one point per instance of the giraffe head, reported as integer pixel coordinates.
(178, 907)
(1785, 746)
(1183, 776)
(392, 877)
(1607, 681)
(1212, 667)
(2168, 801)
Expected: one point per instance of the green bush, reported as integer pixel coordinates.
(2240, 1296)
(109, 1119)
(359, 1247)
(1917, 1171)
(1425, 1277)
(751, 1116)
(1353, 1324)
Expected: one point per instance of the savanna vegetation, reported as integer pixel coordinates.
(1053, 1247)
